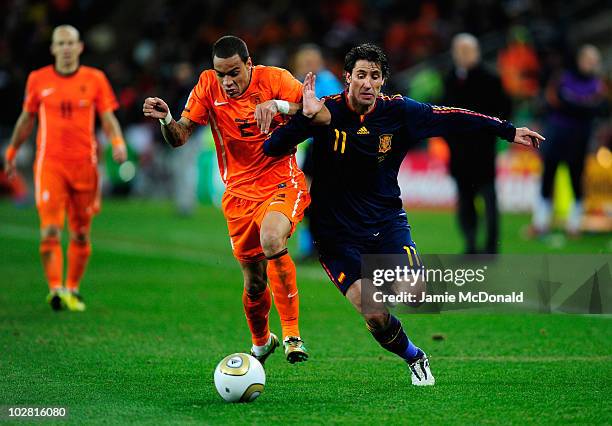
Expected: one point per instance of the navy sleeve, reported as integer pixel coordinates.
(287, 136)
(426, 121)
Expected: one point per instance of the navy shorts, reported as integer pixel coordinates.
(342, 259)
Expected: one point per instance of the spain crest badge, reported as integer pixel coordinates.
(384, 144)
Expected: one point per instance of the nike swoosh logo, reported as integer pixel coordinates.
(290, 295)
(376, 235)
(217, 103)
(46, 92)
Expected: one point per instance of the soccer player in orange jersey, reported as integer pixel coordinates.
(265, 197)
(64, 97)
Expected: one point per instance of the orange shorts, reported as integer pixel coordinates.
(66, 187)
(244, 218)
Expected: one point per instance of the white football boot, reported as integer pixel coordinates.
(421, 374)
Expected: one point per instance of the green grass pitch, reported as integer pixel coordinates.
(164, 306)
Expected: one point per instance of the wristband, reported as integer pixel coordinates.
(166, 120)
(282, 106)
(117, 141)
(10, 153)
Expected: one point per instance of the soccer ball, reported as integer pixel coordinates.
(240, 378)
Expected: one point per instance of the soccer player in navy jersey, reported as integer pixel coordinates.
(356, 205)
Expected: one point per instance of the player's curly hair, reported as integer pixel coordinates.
(228, 46)
(369, 52)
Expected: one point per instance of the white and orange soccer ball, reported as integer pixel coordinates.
(240, 378)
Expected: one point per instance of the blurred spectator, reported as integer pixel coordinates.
(472, 163)
(310, 59)
(519, 66)
(574, 99)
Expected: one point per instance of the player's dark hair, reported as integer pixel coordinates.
(368, 52)
(228, 46)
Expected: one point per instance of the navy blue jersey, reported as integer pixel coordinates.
(357, 158)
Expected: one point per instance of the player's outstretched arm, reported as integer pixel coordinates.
(431, 120)
(112, 129)
(23, 130)
(176, 133)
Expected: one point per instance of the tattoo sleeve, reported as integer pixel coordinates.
(178, 132)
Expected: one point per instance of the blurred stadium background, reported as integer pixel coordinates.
(159, 48)
(163, 290)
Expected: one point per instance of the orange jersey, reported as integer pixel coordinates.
(245, 170)
(66, 107)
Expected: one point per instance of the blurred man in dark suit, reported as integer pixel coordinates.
(472, 86)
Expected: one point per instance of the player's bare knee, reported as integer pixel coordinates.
(417, 291)
(50, 232)
(376, 321)
(80, 237)
(272, 242)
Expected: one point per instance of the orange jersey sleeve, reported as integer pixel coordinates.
(31, 99)
(198, 104)
(105, 98)
(288, 88)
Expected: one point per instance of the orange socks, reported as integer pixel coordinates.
(78, 256)
(282, 277)
(52, 261)
(257, 311)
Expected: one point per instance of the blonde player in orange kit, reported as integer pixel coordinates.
(265, 198)
(65, 96)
